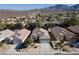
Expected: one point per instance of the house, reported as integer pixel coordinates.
(74, 29)
(5, 34)
(41, 35)
(20, 36)
(74, 41)
(61, 33)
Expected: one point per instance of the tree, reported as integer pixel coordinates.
(48, 19)
(60, 14)
(37, 23)
(30, 26)
(27, 42)
(18, 26)
(1, 44)
(50, 25)
(39, 20)
(67, 14)
(2, 26)
(11, 26)
(71, 22)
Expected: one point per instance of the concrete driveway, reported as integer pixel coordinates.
(12, 50)
(42, 48)
(45, 48)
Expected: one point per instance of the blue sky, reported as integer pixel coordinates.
(23, 6)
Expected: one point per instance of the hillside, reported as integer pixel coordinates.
(57, 8)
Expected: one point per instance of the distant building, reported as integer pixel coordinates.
(40, 34)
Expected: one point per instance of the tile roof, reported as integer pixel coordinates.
(5, 33)
(59, 32)
(43, 34)
(22, 34)
(74, 29)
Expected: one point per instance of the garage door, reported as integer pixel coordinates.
(44, 41)
(16, 41)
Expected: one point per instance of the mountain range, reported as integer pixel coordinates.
(4, 13)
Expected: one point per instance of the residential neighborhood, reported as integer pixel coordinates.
(46, 31)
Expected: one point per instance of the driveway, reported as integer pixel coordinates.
(42, 48)
(12, 50)
(45, 48)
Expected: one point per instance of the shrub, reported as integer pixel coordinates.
(66, 49)
(27, 42)
(71, 22)
(30, 26)
(1, 44)
(2, 26)
(12, 26)
(18, 25)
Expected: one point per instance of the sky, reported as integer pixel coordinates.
(24, 6)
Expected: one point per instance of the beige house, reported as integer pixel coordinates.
(5, 34)
(61, 33)
(20, 36)
(40, 34)
(74, 29)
